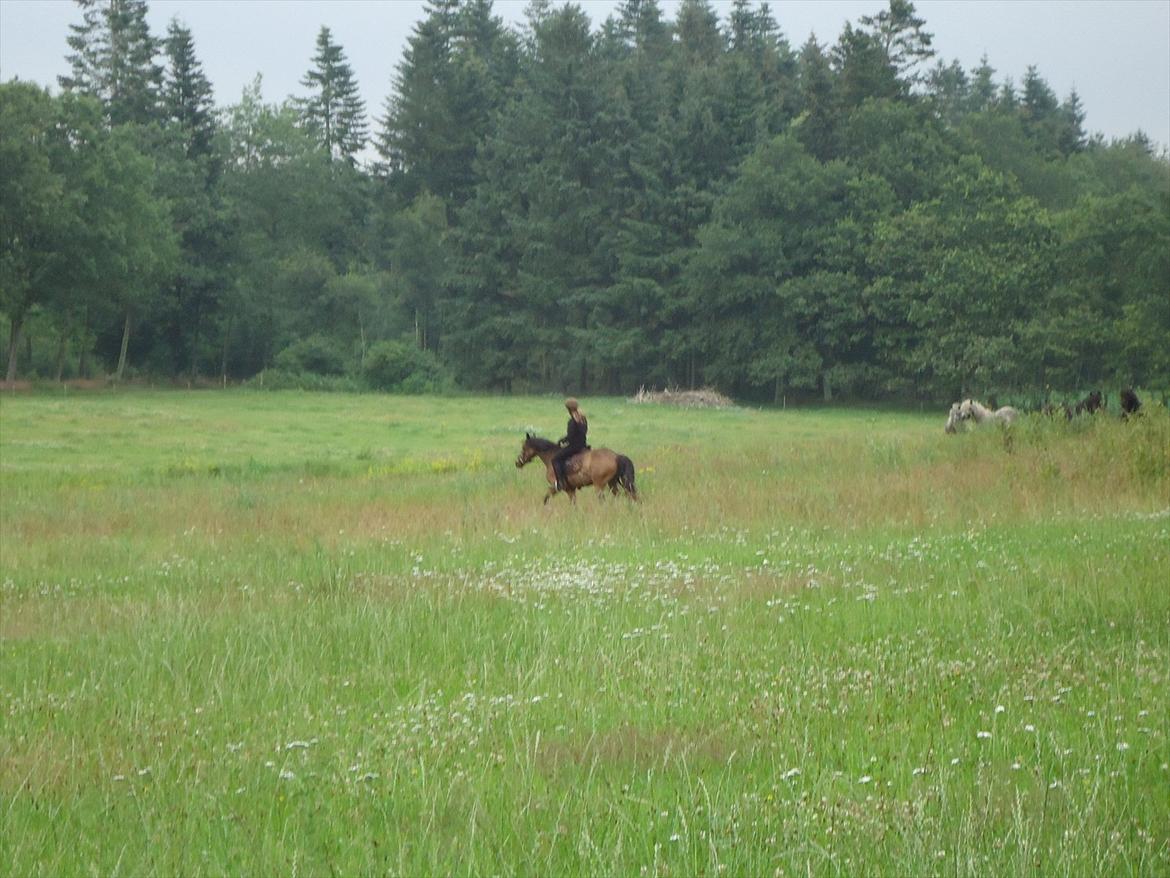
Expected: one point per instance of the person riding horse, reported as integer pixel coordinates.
(573, 441)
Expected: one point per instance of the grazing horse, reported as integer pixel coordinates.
(598, 467)
(1091, 403)
(971, 410)
(1051, 410)
(981, 414)
(1129, 402)
(953, 419)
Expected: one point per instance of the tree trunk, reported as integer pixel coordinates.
(14, 346)
(194, 364)
(125, 347)
(62, 350)
(227, 333)
(779, 391)
(827, 386)
(82, 365)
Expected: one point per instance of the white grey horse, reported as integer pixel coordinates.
(972, 410)
(953, 419)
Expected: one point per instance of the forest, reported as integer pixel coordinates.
(571, 207)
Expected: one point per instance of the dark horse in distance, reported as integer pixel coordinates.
(598, 467)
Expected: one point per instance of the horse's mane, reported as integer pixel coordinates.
(540, 443)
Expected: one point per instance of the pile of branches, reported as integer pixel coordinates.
(704, 397)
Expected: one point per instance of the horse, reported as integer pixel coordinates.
(981, 414)
(598, 467)
(1130, 404)
(1051, 410)
(953, 419)
(1091, 403)
(971, 410)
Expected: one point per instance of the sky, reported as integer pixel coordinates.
(1115, 53)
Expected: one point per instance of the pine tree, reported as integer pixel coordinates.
(819, 116)
(1072, 132)
(187, 97)
(334, 112)
(900, 33)
(983, 88)
(454, 75)
(113, 60)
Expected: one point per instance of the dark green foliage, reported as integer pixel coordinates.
(401, 367)
(333, 112)
(315, 354)
(114, 60)
(584, 208)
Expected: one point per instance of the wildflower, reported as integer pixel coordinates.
(1122, 746)
(865, 778)
(999, 708)
(983, 735)
(791, 773)
(1029, 728)
(287, 775)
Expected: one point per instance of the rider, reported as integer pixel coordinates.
(573, 441)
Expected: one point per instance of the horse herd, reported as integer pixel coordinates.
(604, 469)
(970, 410)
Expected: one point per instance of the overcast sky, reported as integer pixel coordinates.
(1116, 53)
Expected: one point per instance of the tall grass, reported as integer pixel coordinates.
(313, 634)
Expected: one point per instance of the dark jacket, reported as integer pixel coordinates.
(575, 435)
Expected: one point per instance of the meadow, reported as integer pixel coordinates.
(247, 633)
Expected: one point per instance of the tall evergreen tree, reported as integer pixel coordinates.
(113, 59)
(334, 111)
(818, 102)
(454, 76)
(983, 88)
(899, 31)
(187, 97)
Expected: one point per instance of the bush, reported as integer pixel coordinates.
(400, 366)
(316, 354)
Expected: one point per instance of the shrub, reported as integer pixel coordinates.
(316, 354)
(401, 367)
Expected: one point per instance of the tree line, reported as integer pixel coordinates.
(557, 207)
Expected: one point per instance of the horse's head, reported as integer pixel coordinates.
(966, 410)
(527, 451)
(953, 418)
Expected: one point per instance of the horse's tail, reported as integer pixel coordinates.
(625, 476)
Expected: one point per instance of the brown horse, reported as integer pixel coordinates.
(598, 467)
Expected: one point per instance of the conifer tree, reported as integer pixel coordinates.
(334, 112)
(187, 97)
(113, 60)
(454, 75)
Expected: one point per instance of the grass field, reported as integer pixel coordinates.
(294, 634)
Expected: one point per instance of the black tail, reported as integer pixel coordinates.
(625, 477)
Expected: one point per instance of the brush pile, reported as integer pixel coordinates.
(703, 398)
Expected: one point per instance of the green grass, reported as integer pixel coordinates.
(247, 633)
